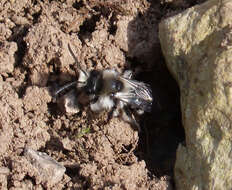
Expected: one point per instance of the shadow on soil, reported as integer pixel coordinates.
(162, 130)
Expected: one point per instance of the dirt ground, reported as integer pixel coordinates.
(34, 59)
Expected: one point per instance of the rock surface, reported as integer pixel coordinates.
(198, 52)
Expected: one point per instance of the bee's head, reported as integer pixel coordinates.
(94, 82)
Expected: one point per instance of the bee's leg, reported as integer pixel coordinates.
(69, 103)
(128, 74)
(140, 112)
(113, 113)
(117, 109)
(128, 116)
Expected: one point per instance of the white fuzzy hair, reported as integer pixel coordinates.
(104, 102)
(108, 73)
(82, 78)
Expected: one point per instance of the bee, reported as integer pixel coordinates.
(110, 90)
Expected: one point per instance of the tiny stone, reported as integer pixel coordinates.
(50, 170)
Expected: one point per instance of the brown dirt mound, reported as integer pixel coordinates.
(34, 56)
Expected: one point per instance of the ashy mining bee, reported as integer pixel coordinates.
(109, 90)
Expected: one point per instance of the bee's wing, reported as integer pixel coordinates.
(137, 94)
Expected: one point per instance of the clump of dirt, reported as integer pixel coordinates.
(34, 58)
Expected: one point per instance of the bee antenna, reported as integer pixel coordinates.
(66, 86)
(76, 61)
